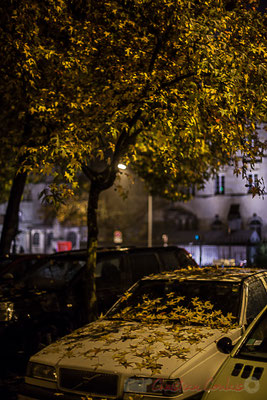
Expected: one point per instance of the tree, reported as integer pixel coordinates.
(174, 87)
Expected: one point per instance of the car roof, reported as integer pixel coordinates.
(14, 261)
(81, 254)
(231, 274)
(116, 250)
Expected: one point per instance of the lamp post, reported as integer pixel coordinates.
(149, 220)
(149, 212)
(197, 238)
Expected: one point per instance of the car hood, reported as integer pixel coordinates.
(129, 347)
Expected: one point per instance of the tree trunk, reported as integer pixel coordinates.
(10, 226)
(89, 288)
(99, 182)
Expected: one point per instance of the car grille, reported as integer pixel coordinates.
(88, 382)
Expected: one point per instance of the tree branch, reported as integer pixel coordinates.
(89, 173)
(177, 79)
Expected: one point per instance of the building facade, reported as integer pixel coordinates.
(221, 222)
(36, 233)
(224, 220)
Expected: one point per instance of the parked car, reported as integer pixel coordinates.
(15, 266)
(16, 310)
(116, 269)
(243, 374)
(41, 297)
(162, 338)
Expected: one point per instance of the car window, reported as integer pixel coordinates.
(257, 299)
(169, 259)
(216, 292)
(108, 270)
(54, 272)
(185, 260)
(143, 264)
(19, 267)
(255, 345)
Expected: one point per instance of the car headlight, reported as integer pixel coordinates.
(6, 311)
(155, 386)
(41, 371)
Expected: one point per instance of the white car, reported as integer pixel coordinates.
(243, 374)
(164, 338)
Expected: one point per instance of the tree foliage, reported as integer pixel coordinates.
(174, 87)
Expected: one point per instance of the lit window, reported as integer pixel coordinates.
(220, 184)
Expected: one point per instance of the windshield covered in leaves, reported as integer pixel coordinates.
(185, 302)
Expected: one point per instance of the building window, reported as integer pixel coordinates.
(220, 184)
(255, 226)
(36, 239)
(72, 237)
(252, 182)
(234, 218)
(49, 239)
(217, 224)
(252, 143)
(188, 191)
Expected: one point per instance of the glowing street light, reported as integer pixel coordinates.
(121, 166)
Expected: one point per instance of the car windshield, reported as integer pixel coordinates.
(177, 300)
(255, 345)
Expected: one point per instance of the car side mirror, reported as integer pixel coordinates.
(225, 345)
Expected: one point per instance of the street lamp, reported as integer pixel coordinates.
(121, 166)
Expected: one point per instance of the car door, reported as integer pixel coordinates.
(109, 279)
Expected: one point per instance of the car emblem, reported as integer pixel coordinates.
(90, 378)
(85, 379)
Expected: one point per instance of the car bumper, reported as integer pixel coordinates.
(31, 392)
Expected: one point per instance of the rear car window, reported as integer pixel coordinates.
(185, 260)
(143, 264)
(108, 270)
(169, 260)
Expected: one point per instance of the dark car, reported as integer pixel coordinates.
(41, 297)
